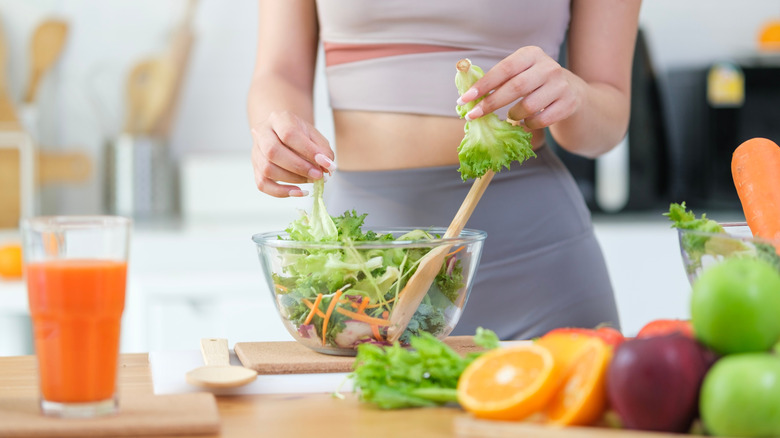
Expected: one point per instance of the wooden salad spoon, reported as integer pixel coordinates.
(413, 293)
(218, 373)
(48, 41)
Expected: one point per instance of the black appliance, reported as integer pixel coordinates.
(703, 137)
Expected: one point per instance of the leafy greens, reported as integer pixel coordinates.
(489, 143)
(360, 283)
(425, 375)
(705, 240)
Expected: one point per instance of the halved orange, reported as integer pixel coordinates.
(582, 398)
(565, 346)
(509, 383)
(11, 261)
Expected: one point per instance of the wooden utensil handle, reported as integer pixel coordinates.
(469, 204)
(63, 167)
(417, 286)
(32, 86)
(215, 351)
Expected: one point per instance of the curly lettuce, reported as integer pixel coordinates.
(425, 375)
(489, 143)
(317, 226)
(697, 246)
(315, 274)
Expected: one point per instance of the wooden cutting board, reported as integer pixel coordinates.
(290, 357)
(472, 427)
(139, 415)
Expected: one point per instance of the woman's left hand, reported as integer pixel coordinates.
(547, 92)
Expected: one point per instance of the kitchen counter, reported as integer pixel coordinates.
(310, 415)
(279, 416)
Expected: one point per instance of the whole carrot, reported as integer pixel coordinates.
(755, 168)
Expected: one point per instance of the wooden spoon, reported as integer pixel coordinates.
(413, 293)
(8, 117)
(156, 93)
(163, 112)
(47, 42)
(136, 92)
(3, 62)
(218, 373)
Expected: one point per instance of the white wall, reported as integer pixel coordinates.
(698, 32)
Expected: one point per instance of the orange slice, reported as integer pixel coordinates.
(582, 398)
(11, 261)
(509, 383)
(564, 346)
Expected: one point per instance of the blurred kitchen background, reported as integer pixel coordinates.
(137, 107)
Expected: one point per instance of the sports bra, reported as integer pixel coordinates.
(400, 55)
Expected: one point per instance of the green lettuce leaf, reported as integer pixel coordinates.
(426, 375)
(489, 143)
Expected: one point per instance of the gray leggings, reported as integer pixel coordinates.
(541, 265)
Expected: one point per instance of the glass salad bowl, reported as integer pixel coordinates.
(334, 296)
(701, 249)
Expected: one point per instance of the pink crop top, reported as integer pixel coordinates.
(400, 55)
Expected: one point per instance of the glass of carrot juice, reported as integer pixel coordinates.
(76, 269)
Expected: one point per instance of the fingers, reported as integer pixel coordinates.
(528, 77)
(287, 149)
(517, 87)
(325, 155)
(267, 174)
(543, 107)
(506, 69)
(282, 153)
(535, 102)
(300, 137)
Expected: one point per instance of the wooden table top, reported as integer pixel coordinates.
(295, 415)
(312, 415)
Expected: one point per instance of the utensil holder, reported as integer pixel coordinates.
(141, 178)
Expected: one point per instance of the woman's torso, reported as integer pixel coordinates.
(391, 64)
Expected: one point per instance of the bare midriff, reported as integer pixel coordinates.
(370, 140)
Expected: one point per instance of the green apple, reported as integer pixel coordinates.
(740, 396)
(735, 306)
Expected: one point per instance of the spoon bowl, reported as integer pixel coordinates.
(218, 373)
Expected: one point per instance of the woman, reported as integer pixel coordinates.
(390, 67)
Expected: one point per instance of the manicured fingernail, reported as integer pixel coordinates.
(474, 113)
(298, 193)
(315, 173)
(325, 162)
(466, 97)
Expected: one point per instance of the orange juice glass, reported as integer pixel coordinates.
(76, 270)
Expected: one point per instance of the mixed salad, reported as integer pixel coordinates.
(341, 295)
(706, 241)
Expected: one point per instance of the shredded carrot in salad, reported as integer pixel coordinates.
(329, 312)
(362, 317)
(314, 309)
(456, 251)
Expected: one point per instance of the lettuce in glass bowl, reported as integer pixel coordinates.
(705, 242)
(335, 284)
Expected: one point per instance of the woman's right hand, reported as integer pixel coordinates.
(288, 149)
